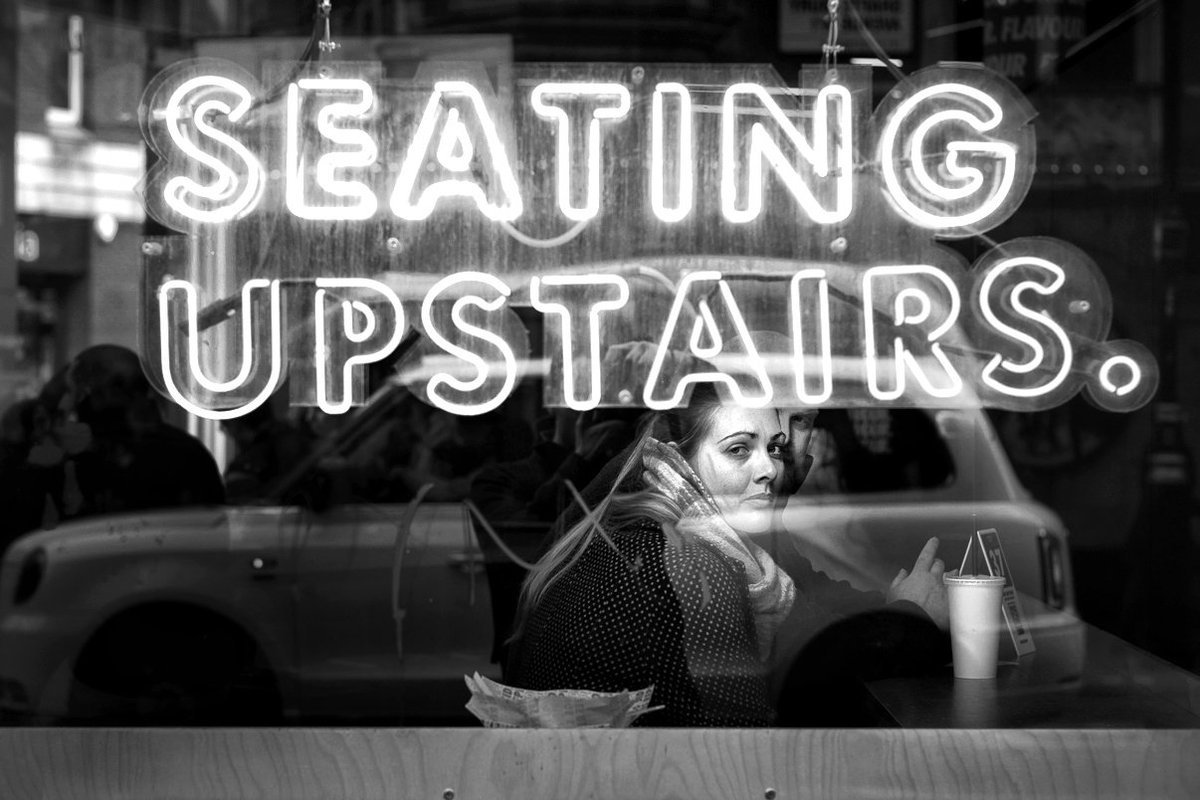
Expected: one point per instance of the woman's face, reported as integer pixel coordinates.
(738, 458)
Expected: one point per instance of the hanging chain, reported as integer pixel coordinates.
(831, 47)
(324, 10)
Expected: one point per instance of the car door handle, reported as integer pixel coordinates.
(263, 569)
(467, 561)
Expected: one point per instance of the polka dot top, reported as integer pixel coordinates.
(650, 612)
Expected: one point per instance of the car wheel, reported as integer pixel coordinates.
(172, 664)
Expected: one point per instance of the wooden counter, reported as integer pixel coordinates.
(1113, 685)
(475, 764)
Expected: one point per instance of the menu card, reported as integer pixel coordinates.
(992, 555)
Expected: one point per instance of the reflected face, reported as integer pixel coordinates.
(800, 423)
(739, 459)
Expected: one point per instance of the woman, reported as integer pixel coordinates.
(662, 585)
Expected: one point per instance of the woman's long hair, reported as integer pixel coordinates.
(629, 498)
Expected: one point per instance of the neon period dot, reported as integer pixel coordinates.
(1106, 380)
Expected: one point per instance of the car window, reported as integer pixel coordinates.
(861, 450)
(383, 452)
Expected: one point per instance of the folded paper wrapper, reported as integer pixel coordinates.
(500, 706)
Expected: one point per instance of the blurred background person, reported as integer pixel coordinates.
(268, 445)
(135, 460)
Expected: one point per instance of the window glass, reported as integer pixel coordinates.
(691, 347)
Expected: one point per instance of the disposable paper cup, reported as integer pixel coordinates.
(975, 622)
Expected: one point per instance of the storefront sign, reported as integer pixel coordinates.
(706, 223)
(1024, 40)
(804, 26)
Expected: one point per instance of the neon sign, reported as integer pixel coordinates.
(669, 224)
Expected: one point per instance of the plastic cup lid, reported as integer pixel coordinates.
(974, 580)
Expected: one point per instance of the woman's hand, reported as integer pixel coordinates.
(923, 585)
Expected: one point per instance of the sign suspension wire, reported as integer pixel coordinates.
(873, 43)
(324, 10)
(831, 48)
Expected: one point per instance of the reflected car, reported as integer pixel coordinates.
(327, 603)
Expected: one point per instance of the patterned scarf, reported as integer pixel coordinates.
(771, 589)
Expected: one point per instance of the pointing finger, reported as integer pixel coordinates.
(925, 559)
